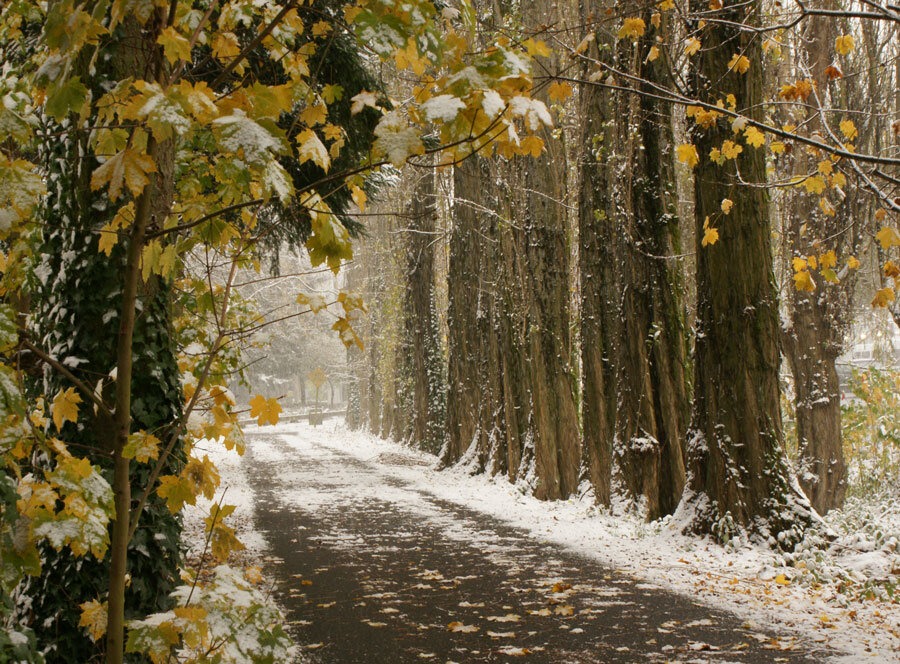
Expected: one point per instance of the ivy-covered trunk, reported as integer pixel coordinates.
(78, 301)
(738, 476)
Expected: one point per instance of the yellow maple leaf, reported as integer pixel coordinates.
(777, 147)
(94, 617)
(265, 410)
(126, 168)
(65, 407)
(891, 270)
(883, 297)
(812, 262)
(814, 184)
(710, 236)
(359, 197)
(848, 129)
(632, 27)
(853, 263)
(687, 154)
(731, 150)
(314, 114)
(739, 63)
(844, 44)
(531, 145)
(175, 46)
(838, 179)
(692, 46)
(142, 446)
(754, 137)
(653, 53)
(321, 28)
(666, 5)
(536, 47)
(559, 91)
(799, 264)
(888, 237)
(727, 204)
(655, 19)
(225, 45)
(804, 282)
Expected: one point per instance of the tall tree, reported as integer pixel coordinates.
(738, 476)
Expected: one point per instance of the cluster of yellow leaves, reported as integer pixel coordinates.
(826, 263)
(196, 478)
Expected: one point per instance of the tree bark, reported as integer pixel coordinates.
(738, 477)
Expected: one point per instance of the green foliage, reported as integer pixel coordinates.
(871, 434)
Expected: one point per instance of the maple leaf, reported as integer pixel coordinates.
(531, 145)
(739, 63)
(176, 491)
(666, 5)
(225, 45)
(315, 302)
(314, 114)
(814, 184)
(312, 149)
(632, 27)
(536, 47)
(94, 617)
(332, 93)
(710, 236)
(883, 297)
(853, 263)
(142, 446)
(843, 44)
(65, 407)
(653, 54)
(265, 410)
(71, 95)
(559, 91)
(457, 626)
(848, 129)
(888, 237)
(361, 100)
(321, 28)
(754, 137)
(359, 197)
(692, 46)
(687, 154)
(803, 281)
(731, 150)
(129, 168)
(826, 207)
(828, 259)
(839, 180)
(175, 47)
(891, 270)
(727, 204)
(777, 147)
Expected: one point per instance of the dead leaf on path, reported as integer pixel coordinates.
(372, 623)
(313, 646)
(457, 626)
(502, 635)
(306, 582)
(564, 610)
(540, 612)
(513, 651)
(326, 605)
(509, 617)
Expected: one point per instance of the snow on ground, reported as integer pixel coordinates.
(746, 581)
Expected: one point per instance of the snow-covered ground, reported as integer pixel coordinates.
(749, 581)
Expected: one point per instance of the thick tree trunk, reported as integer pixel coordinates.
(652, 390)
(738, 476)
(598, 281)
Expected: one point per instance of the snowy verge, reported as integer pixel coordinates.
(749, 581)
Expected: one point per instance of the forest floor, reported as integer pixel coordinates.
(377, 557)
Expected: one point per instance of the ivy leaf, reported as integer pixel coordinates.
(94, 617)
(65, 407)
(126, 168)
(264, 410)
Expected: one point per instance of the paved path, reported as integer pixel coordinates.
(371, 570)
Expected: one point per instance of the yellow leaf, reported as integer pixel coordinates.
(536, 47)
(359, 197)
(731, 150)
(727, 204)
(888, 237)
(315, 114)
(827, 207)
(844, 44)
(883, 297)
(128, 167)
(176, 491)
(777, 147)
(311, 148)
(653, 54)
(754, 137)
(94, 617)
(838, 180)
(828, 259)
(826, 167)
(692, 46)
(815, 184)
(632, 27)
(65, 407)
(782, 580)
(457, 626)
(812, 262)
(880, 214)
(531, 145)
(804, 281)
(739, 63)
(332, 93)
(559, 91)
(710, 236)
(655, 19)
(891, 270)
(687, 154)
(848, 129)
(321, 28)
(799, 264)
(666, 5)
(852, 263)
(225, 45)
(142, 446)
(265, 410)
(175, 47)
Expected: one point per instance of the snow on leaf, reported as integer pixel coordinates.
(264, 410)
(492, 103)
(313, 149)
(141, 446)
(240, 135)
(126, 168)
(396, 139)
(442, 107)
(277, 181)
(361, 100)
(93, 616)
(457, 626)
(65, 407)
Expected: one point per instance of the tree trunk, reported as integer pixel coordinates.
(738, 477)
(652, 390)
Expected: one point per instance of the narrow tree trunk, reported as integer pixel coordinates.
(738, 476)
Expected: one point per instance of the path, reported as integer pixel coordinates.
(373, 570)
